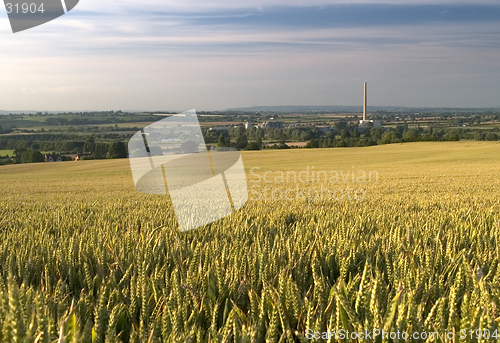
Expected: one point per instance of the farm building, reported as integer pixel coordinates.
(53, 158)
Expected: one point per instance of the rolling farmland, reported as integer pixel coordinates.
(84, 257)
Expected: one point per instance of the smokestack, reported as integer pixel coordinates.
(365, 104)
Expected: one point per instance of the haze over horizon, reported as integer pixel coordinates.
(180, 55)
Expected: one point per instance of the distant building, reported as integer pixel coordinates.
(249, 125)
(53, 158)
(274, 124)
(377, 124)
(219, 128)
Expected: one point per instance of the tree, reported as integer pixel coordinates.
(283, 139)
(259, 142)
(35, 156)
(479, 136)
(241, 141)
(410, 135)
(389, 137)
(28, 156)
(117, 150)
(490, 136)
(222, 141)
(344, 133)
(18, 154)
(89, 146)
(252, 146)
(451, 135)
(330, 135)
(306, 135)
(377, 133)
(313, 143)
(340, 125)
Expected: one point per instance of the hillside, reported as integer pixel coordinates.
(83, 254)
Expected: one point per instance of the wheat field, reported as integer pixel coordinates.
(84, 257)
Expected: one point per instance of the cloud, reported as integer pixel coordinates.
(178, 55)
(217, 5)
(54, 90)
(188, 35)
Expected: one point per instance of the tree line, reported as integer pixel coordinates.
(89, 150)
(351, 136)
(344, 134)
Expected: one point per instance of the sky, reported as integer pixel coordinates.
(212, 55)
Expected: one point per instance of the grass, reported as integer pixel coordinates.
(6, 152)
(419, 253)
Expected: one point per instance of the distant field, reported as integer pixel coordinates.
(299, 144)
(219, 123)
(18, 123)
(419, 252)
(6, 152)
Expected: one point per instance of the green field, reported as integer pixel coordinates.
(84, 257)
(6, 152)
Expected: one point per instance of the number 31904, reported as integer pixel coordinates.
(478, 334)
(24, 8)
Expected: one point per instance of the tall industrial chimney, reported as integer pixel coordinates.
(364, 105)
